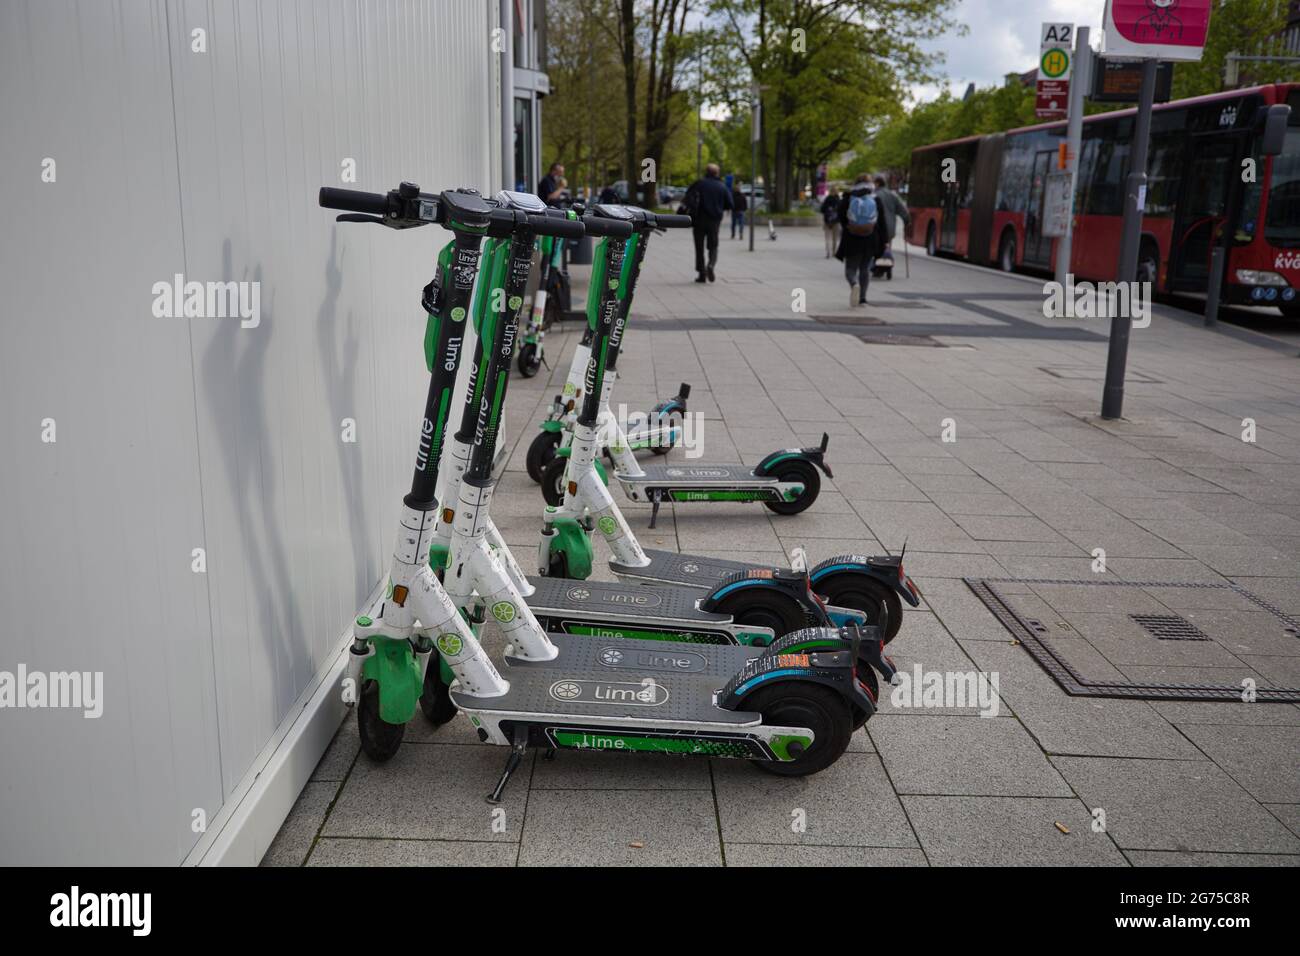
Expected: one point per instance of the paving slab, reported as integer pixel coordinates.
(351, 851)
(760, 854)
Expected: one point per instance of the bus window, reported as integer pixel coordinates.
(1282, 222)
(1106, 188)
(1164, 170)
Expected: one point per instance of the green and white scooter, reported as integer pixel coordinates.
(790, 707)
(766, 606)
(875, 585)
(550, 303)
(786, 481)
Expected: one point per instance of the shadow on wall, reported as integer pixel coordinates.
(234, 381)
(339, 366)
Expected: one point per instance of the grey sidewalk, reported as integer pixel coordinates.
(1032, 484)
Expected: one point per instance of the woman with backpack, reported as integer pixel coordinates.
(831, 221)
(863, 236)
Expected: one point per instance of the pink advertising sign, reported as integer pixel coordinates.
(1157, 29)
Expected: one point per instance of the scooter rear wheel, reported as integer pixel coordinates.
(674, 422)
(379, 739)
(872, 598)
(540, 453)
(803, 704)
(805, 474)
(761, 608)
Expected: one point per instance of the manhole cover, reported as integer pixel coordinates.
(1169, 627)
(1151, 640)
(888, 338)
(1088, 373)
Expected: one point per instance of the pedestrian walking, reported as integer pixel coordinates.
(738, 206)
(892, 209)
(706, 202)
(831, 221)
(862, 237)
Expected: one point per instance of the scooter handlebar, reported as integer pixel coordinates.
(600, 226)
(555, 226)
(354, 200)
(672, 221)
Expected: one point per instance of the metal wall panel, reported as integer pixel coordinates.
(174, 433)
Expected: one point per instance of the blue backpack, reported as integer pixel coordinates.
(862, 215)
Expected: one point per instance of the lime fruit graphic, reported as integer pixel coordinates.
(503, 611)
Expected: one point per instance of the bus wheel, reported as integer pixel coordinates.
(931, 242)
(1148, 265)
(1007, 252)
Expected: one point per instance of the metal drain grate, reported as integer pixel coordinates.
(1169, 627)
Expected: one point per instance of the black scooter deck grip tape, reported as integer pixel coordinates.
(553, 226)
(353, 200)
(599, 226)
(672, 222)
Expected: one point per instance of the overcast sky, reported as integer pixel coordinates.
(1003, 37)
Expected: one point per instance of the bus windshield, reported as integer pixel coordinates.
(1282, 222)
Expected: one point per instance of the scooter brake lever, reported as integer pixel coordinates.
(358, 217)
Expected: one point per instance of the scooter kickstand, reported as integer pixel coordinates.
(518, 747)
(655, 498)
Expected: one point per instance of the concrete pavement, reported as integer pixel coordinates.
(1030, 485)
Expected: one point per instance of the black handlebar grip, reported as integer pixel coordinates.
(600, 226)
(353, 200)
(554, 226)
(672, 222)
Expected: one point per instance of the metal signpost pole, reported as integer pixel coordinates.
(1073, 137)
(1135, 194)
(756, 120)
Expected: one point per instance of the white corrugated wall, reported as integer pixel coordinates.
(174, 434)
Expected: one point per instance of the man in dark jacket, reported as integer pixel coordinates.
(706, 201)
(863, 237)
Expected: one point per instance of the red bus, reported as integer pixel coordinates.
(991, 211)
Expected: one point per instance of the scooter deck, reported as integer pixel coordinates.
(673, 475)
(621, 683)
(557, 597)
(686, 570)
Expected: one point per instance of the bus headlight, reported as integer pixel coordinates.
(1259, 277)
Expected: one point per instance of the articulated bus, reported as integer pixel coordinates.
(992, 210)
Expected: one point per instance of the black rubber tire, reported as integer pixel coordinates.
(557, 566)
(760, 607)
(435, 700)
(529, 363)
(1148, 267)
(860, 593)
(553, 312)
(804, 472)
(379, 739)
(867, 674)
(1007, 252)
(553, 481)
(540, 453)
(804, 704)
(674, 421)
(931, 241)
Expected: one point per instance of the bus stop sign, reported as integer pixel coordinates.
(1054, 68)
(1157, 29)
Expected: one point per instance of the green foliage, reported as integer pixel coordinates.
(1248, 27)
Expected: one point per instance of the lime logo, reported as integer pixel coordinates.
(613, 283)
(607, 525)
(568, 388)
(450, 644)
(503, 611)
(458, 314)
(515, 302)
(1055, 62)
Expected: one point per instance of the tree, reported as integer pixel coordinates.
(1247, 27)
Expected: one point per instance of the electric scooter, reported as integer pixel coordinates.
(550, 302)
(789, 707)
(873, 585)
(766, 607)
(786, 481)
(657, 430)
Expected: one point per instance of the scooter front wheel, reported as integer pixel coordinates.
(529, 361)
(804, 473)
(873, 599)
(435, 700)
(379, 739)
(761, 608)
(540, 453)
(553, 482)
(804, 704)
